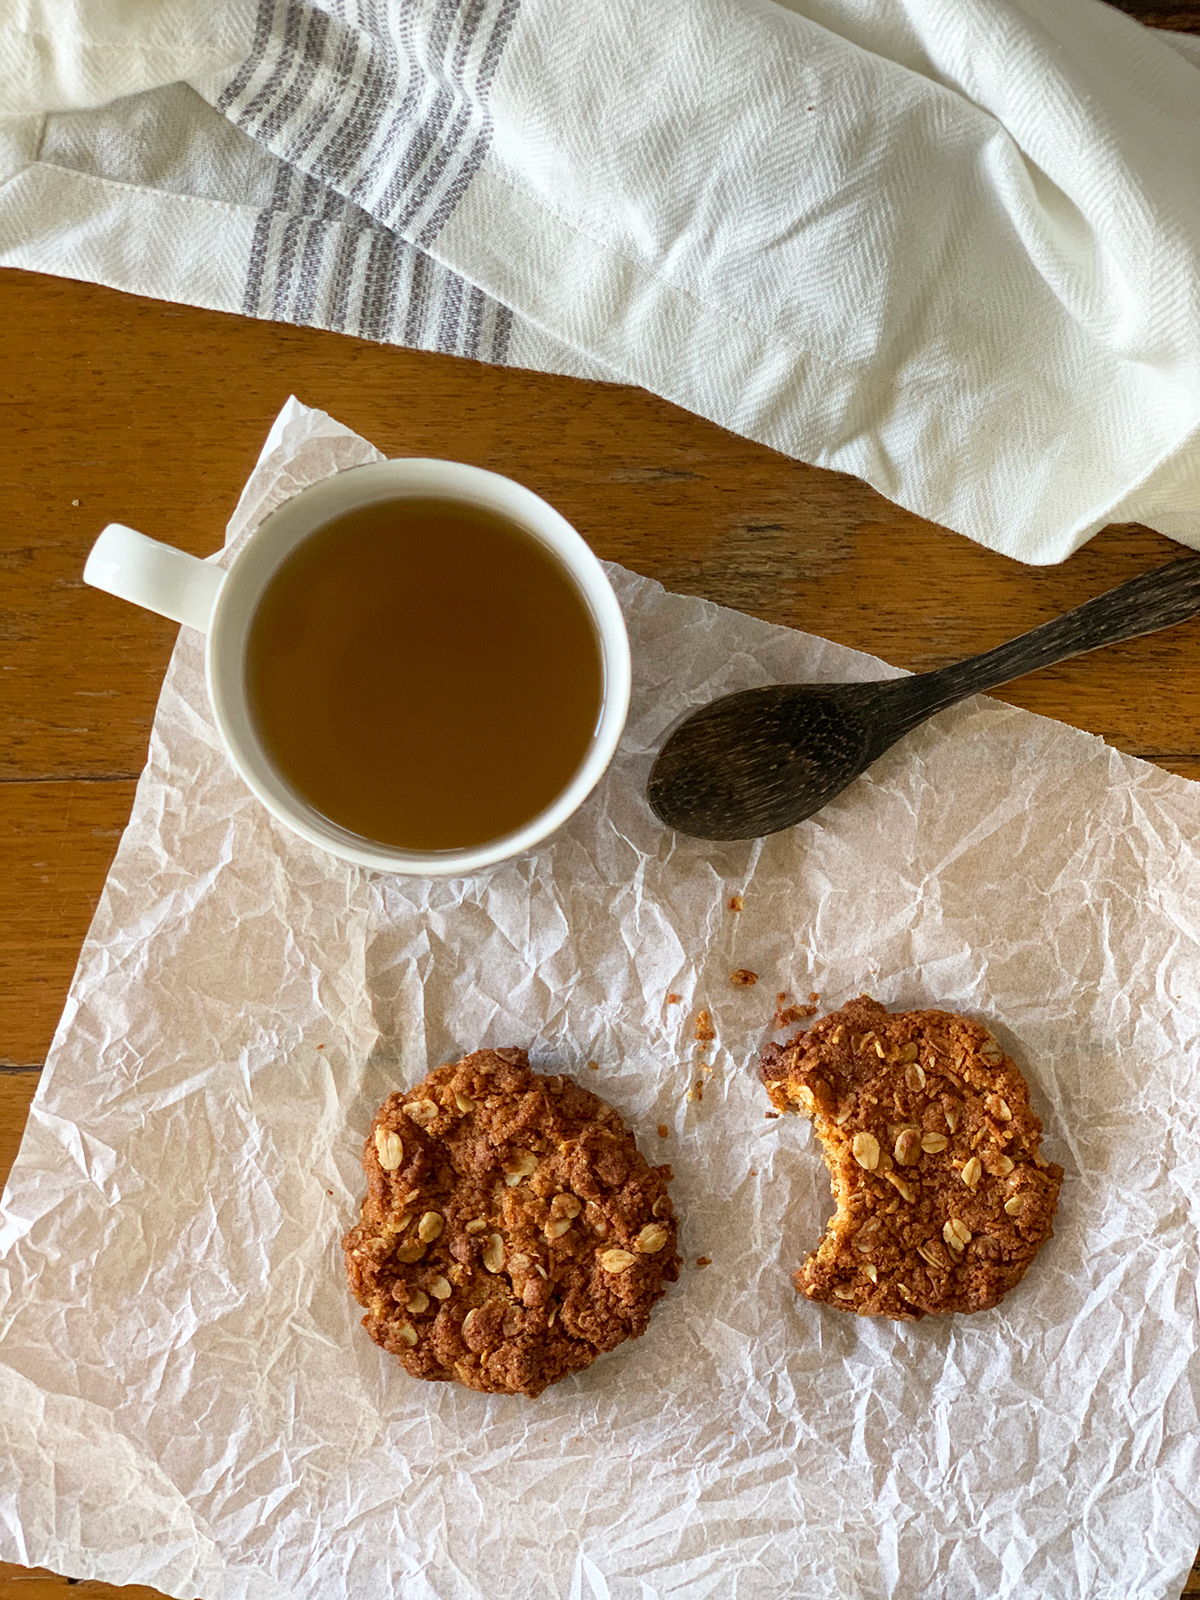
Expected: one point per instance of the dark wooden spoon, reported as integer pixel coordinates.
(761, 760)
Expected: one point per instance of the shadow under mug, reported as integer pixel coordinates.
(221, 603)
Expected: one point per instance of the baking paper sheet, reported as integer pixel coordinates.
(186, 1397)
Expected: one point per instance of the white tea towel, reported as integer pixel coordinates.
(950, 246)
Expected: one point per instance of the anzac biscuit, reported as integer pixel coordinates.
(943, 1198)
(511, 1232)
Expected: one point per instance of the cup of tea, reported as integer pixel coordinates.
(417, 665)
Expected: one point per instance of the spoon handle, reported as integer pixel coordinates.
(1151, 601)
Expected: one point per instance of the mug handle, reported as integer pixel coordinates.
(154, 575)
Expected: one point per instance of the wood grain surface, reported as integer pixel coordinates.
(119, 408)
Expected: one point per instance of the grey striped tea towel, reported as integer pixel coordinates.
(951, 246)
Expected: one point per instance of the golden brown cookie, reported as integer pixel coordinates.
(943, 1198)
(511, 1232)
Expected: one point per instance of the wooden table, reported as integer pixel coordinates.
(118, 408)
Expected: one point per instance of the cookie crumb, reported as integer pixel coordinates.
(771, 1116)
(705, 1033)
(704, 1261)
(743, 978)
(814, 996)
(785, 1016)
(663, 1131)
(674, 999)
(593, 1066)
(736, 903)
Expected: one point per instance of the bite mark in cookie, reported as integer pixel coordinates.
(943, 1197)
(511, 1232)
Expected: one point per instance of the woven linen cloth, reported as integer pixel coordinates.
(949, 246)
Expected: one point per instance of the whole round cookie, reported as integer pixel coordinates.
(943, 1197)
(511, 1232)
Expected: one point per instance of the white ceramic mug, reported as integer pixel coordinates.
(221, 603)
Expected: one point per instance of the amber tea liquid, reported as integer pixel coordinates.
(424, 673)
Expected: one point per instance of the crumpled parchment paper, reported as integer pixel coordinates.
(186, 1398)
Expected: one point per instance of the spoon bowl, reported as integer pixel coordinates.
(763, 759)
